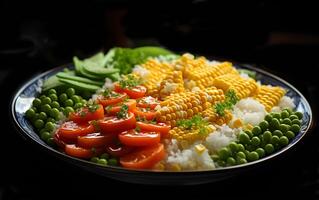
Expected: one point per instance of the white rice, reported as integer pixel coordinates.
(141, 71)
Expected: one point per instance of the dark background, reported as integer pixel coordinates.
(282, 38)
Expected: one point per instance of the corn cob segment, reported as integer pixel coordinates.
(243, 87)
(211, 116)
(187, 104)
(269, 96)
(189, 135)
(173, 83)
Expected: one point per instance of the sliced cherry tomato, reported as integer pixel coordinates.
(58, 140)
(159, 127)
(95, 140)
(119, 151)
(79, 152)
(113, 109)
(144, 158)
(71, 130)
(134, 92)
(148, 102)
(86, 114)
(143, 113)
(114, 125)
(139, 139)
(113, 98)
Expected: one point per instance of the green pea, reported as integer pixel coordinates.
(286, 121)
(45, 135)
(50, 119)
(283, 141)
(240, 147)
(214, 157)
(284, 127)
(46, 100)
(52, 91)
(252, 156)
(50, 141)
(49, 126)
(240, 154)
(241, 161)
(295, 128)
(68, 102)
(244, 138)
(256, 130)
(233, 147)
(269, 148)
(261, 137)
(221, 163)
(250, 147)
(43, 116)
(55, 104)
(255, 141)
(267, 136)
(299, 115)
(63, 97)
(276, 115)
(78, 105)
(290, 135)
(249, 133)
(35, 109)
(296, 121)
(55, 113)
(268, 118)
(102, 161)
(246, 152)
(76, 98)
(284, 114)
(274, 140)
(105, 156)
(30, 113)
(70, 92)
(94, 159)
(42, 97)
(62, 109)
(292, 117)
(264, 125)
(83, 101)
(68, 110)
(36, 116)
(39, 123)
(231, 161)
(224, 153)
(53, 97)
(274, 124)
(261, 152)
(277, 133)
(288, 110)
(37, 102)
(113, 162)
(46, 108)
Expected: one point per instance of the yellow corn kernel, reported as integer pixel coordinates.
(237, 123)
(199, 148)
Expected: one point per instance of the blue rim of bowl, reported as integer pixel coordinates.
(115, 169)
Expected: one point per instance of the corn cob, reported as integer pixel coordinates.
(189, 135)
(173, 83)
(269, 96)
(187, 104)
(211, 116)
(243, 87)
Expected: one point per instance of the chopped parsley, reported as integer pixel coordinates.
(129, 81)
(109, 93)
(123, 112)
(95, 124)
(138, 129)
(230, 100)
(196, 121)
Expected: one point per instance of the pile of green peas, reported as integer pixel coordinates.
(51, 107)
(272, 134)
(105, 159)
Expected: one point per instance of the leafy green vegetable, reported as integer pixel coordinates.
(230, 100)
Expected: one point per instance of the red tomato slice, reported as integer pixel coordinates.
(134, 92)
(71, 130)
(159, 127)
(79, 152)
(139, 139)
(95, 140)
(143, 113)
(113, 109)
(114, 125)
(144, 158)
(59, 141)
(119, 151)
(112, 99)
(85, 115)
(148, 102)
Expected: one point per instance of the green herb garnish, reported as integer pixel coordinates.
(109, 93)
(129, 81)
(123, 112)
(95, 124)
(230, 100)
(195, 122)
(138, 129)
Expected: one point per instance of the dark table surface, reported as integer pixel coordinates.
(28, 173)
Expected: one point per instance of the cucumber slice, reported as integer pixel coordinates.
(80, 86)
(79, 79)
